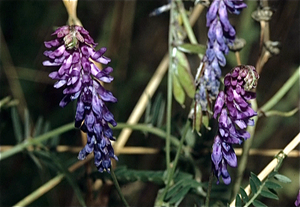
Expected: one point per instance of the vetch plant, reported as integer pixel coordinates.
(234, 114)
(221, 34)
(75, 55)
(210, 162)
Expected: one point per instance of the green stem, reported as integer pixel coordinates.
(174, 164)
(67, 127)
(150, 129)
(186, 23)
(282, 91)
(169, 89)
(113, 176)
(186, 128)
(36, 140)
(211, 177)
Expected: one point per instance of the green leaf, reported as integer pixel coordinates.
(26, 124)
(175, 188)
(161, 114)
(268, 194)
(125, 175)
(148, 112)
(253, 186)
(257, 203)
(35, 160)
(182, 60)
(186, 80)
(197, 118)
(183, 72)
(272, 174)
(255, 179)
(272, 185)
(156, 108)
(282, 178)
(238, 201)
(190, 138)
(46, 159)
(38, 127)
(16, 124)
(244, 195)
(205, 122)
(178, 91)
(192, 48)
(180, 195)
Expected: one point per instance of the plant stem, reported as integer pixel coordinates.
(36, 140)
(281, 92)
(150, 129)
(211, 177)
(273, 164)
(169, 89)
(186, 127)
(113, 176)
(186, 23)
(174, 164)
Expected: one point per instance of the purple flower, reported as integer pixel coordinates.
(75, 55)
(221, 34)
(297, 202)
(234, 114)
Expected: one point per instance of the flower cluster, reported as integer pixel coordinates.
(220, 34)
(234, 114)
(297, 202)
(75, 55)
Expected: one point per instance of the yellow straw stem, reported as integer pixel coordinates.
(71, 6)
(270, 167)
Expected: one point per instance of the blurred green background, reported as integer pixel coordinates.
(136, 43)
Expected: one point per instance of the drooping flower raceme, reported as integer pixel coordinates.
(75, 56)
(234, 114)
(220, 34)
(297, 202)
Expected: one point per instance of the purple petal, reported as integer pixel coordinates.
(99, 53)
(229, 155)
(65, 101)
(216, 155)
(51, 43)
(219, 104)
(212, 12)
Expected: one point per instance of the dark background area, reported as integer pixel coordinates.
(136, 48)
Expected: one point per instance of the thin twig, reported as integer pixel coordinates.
(113, 176)
(71, 7)
(211, 177)
(238, 58)
(281, 92)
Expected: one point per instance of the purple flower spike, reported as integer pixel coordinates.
(221, 34)
(73, 51)
(234, 114)
(297, 202)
